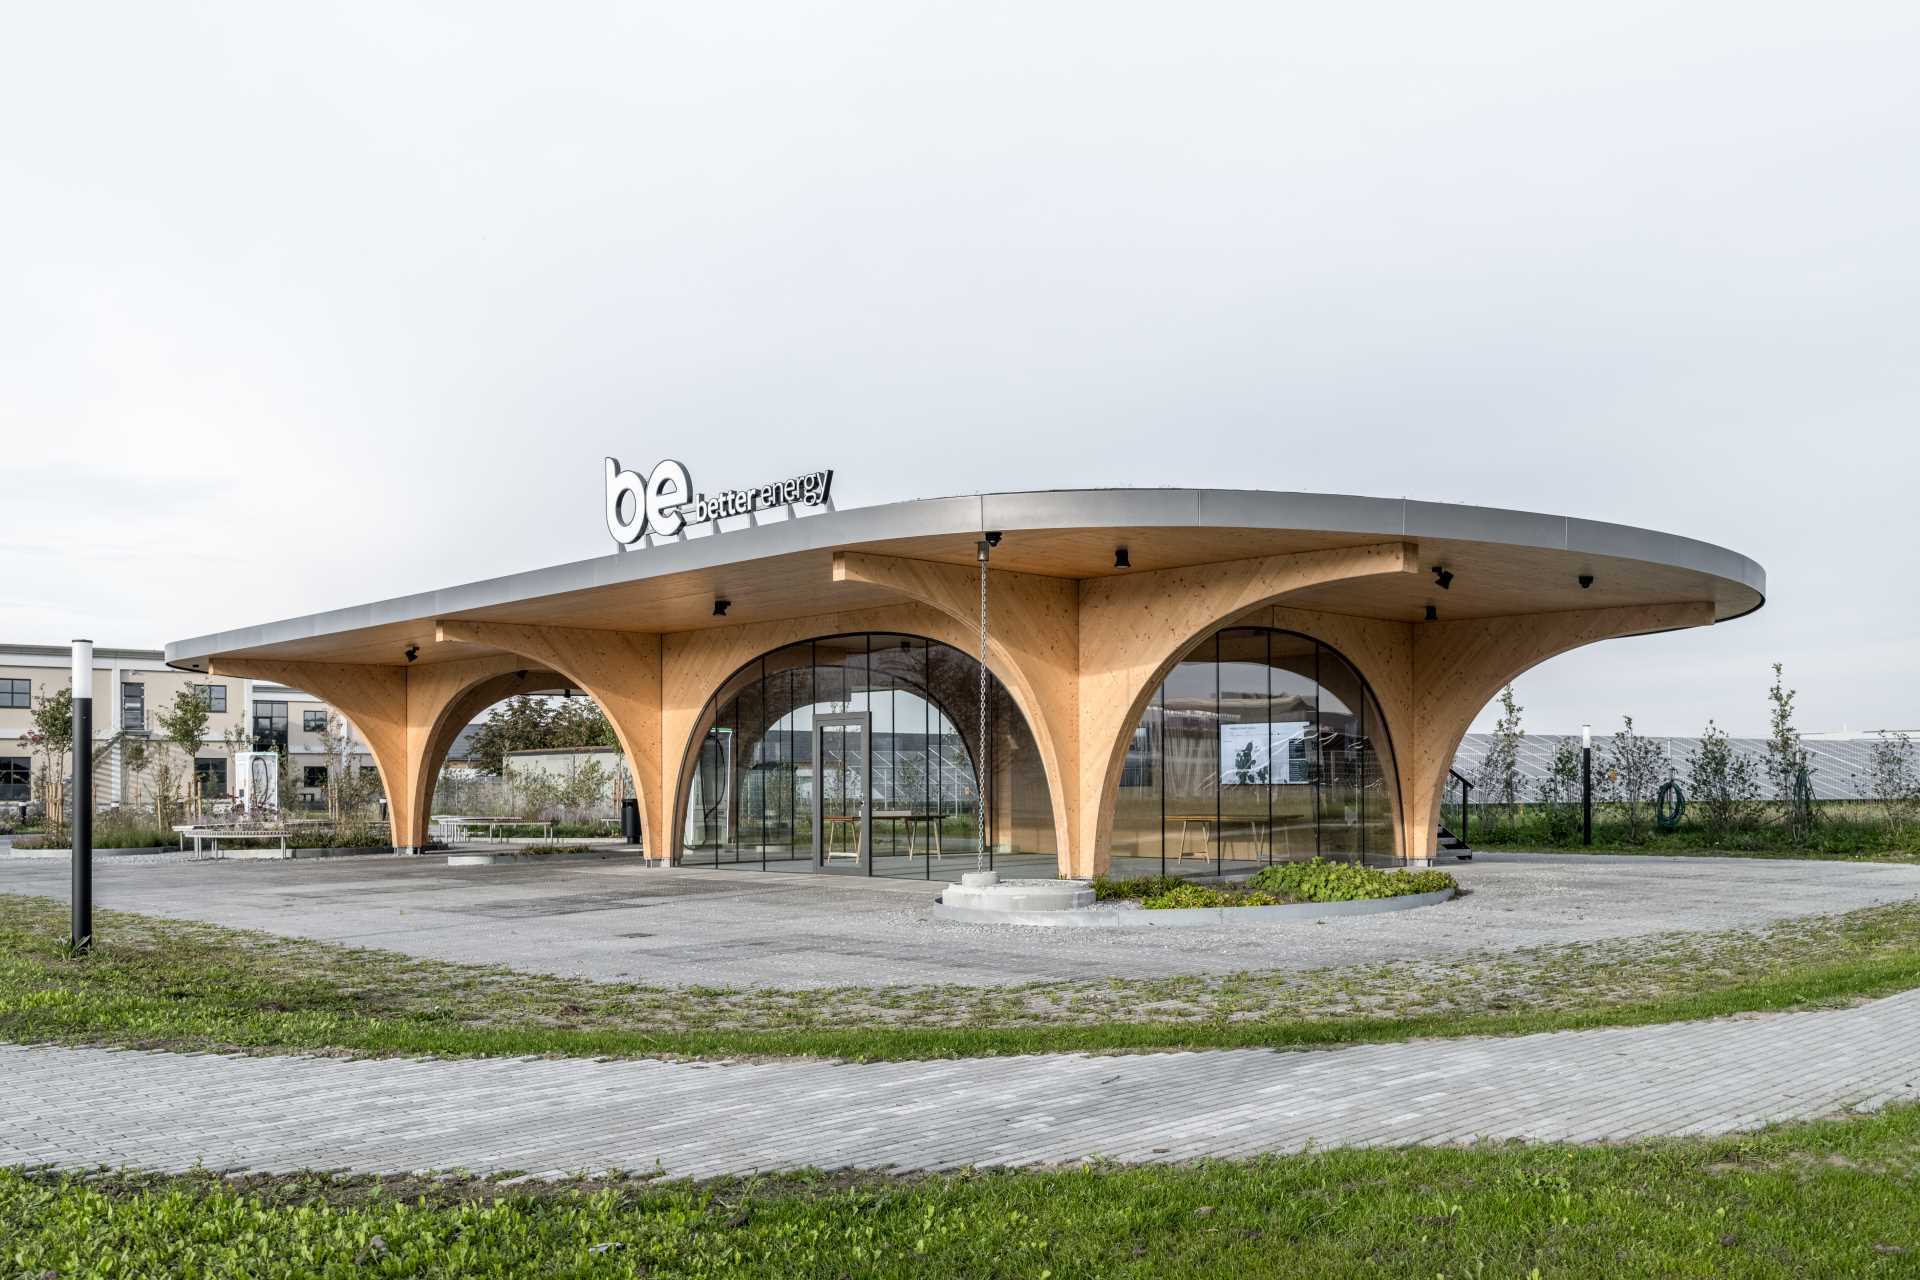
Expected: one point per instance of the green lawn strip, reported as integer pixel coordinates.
(188, 986)
(1892, 857)
(1833, 1198)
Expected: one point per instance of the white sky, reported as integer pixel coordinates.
(306, 306)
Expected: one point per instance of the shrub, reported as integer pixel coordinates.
(1559, 791)
(1632, 778)
(1312, 881)
(1892, 778)
(1318, 881)
(1725, 784)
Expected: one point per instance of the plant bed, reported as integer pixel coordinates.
(1313, 881)
(1296, 891)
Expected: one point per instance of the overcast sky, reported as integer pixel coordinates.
(302, 306)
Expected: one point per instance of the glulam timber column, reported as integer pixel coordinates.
(1459, 666)
(1033, 643)
(1135, 627)
(374, 699)
(619, 670)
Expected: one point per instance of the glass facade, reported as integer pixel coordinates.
(855, 753)
(1260, 746)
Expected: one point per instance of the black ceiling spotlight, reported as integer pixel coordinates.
(1120, 560)
(1443, 576)
(993, 537)
(413, 651)
(1433, 614)
(1586, 580)
(519, 675)
(720, 608)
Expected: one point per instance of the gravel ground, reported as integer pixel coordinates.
(614, 921)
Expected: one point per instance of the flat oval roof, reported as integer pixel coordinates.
(1504, 562)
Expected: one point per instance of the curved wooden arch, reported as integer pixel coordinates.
(697, 664)
(1135, 628)
(619, 670)
(1377, 642)
(459, 712)
(965, 728)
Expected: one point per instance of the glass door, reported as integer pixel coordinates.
(842, 794)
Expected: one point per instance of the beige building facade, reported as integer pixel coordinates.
(1193, 681)
(132, 688)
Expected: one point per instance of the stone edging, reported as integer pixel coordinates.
(1191, 917)
(167, 853)
(486, 858)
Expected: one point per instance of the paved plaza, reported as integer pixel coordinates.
(81, 1107)
(620, 921)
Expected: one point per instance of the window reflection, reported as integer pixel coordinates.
(1260, 746)
(749, 796)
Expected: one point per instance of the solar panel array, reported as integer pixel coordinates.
(1841, 768)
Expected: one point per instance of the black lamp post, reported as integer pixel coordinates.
(82, 935)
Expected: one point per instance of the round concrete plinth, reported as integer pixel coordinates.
(992, 897)
(488, 858)
(1131, 915)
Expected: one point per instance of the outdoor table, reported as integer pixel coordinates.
(849, 822)
(913, 819)
(1207, 822)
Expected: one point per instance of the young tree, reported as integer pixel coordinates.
(1559, 791)
(1633, 774)
(183, 724)
(1499, 774)
(1891, 777)
(1724, 783)
(51, 739)
(348, 790)
(135, 758)
(1789, 764)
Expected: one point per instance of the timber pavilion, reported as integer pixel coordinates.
(1193, 681)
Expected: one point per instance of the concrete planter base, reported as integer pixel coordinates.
(1133, 916)
(984, 893)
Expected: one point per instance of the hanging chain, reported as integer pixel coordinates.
(980, 755)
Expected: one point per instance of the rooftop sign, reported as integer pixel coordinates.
(663, 502)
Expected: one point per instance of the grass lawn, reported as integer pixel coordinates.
(1836, 1198)
(155, 983)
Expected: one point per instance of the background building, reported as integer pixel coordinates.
(131, 688)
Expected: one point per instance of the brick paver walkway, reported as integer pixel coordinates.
(168, 1111)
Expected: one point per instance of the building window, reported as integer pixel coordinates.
(213, 695)
(313, 721)
(314, 776)
(895, 720)
(133, 707)
(16, 693)
(16, 778)
(1260, 746)
(269, 726)
(211, 776)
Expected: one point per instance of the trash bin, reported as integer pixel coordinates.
(630, 820)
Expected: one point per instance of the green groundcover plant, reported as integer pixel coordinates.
(1834, 1198)
(1315, 880)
